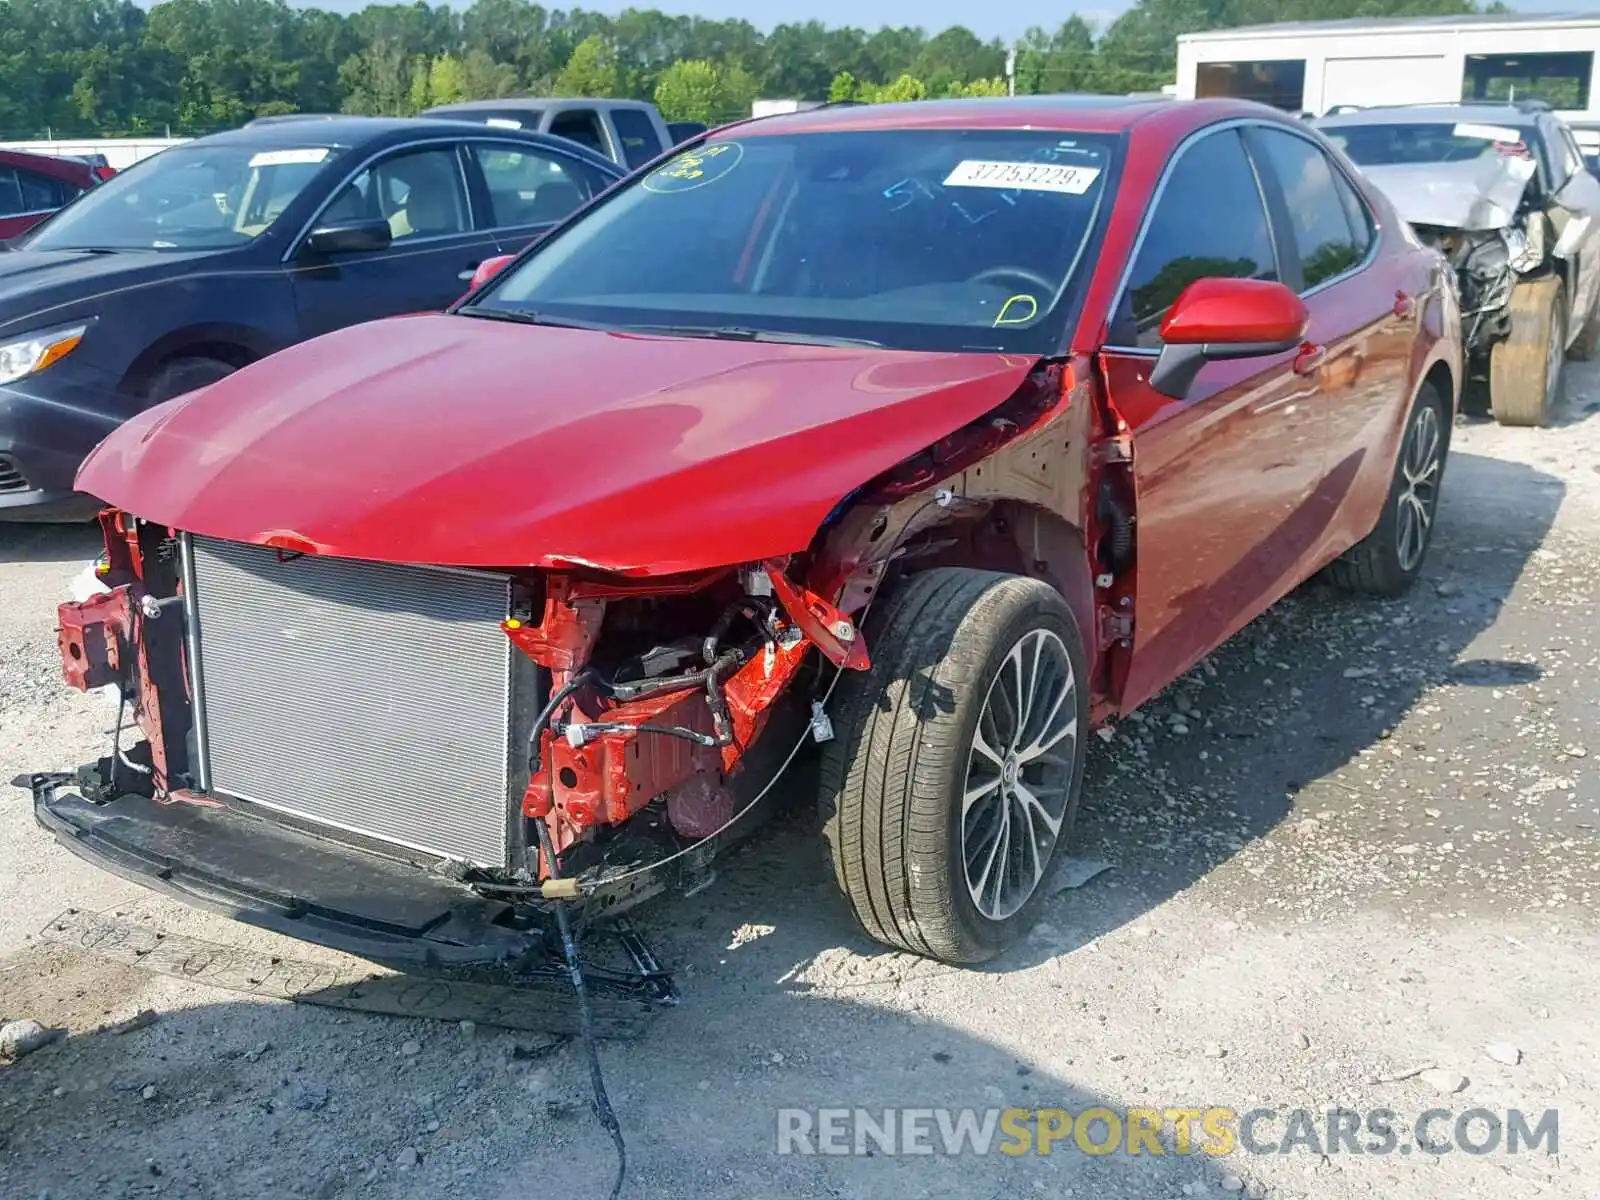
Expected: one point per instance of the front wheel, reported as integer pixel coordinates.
(956, 773)
(1525, 369)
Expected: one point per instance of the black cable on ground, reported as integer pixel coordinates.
(569, 950)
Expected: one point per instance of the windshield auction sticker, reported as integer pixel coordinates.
(285, 158)
(1036, 177)
(695, 168)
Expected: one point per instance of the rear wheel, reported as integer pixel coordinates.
(183, 375)
(1525, 369)
(955, 777)
(1388, 560)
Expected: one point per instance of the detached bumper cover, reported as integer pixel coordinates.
(277, 878)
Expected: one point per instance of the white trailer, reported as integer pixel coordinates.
(1315, 66)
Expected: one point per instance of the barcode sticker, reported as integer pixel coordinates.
(1036, 177)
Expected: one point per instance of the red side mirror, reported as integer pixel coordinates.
(489, 268)
(1236, 312)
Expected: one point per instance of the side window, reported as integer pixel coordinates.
(638, 134)
(40, 193)
(1356, 212)
(1209, 221)
(420, 193)
(581, 125)
(531, 187)
(10, 194)
(1573, 154)
(1318, 217)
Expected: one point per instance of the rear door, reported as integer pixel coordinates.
(421, 191)
(1364, 312)
(1223, 473)
(527, 189)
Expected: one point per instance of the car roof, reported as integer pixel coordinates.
(1433, 114)
(535, 103)
(352, 133)
(57, 166)
(1066, 112)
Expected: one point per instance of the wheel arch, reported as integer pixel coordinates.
(237, 345)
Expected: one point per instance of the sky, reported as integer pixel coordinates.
(1006, 20)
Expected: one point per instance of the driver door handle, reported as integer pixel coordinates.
(1404, 306)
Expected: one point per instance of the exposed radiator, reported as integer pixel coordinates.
(376, 699)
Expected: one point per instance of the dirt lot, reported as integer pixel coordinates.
(1360, 841)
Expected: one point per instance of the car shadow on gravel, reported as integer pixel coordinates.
(224, 1098)
(27, 542)
(1215, 763)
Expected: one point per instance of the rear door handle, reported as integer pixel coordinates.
(1404, 306)
(1310, 359)
(466, 276)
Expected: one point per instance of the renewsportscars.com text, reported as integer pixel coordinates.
(1161, 1131)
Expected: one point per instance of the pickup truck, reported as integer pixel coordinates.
(628, 132)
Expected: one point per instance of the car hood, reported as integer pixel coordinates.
(33, 282)
(470, 442)
(1481, 194)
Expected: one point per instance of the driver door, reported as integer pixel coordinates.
(422, 193)
(1225, 474)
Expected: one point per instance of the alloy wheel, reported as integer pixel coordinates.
(1019, 774)
(1421, 462)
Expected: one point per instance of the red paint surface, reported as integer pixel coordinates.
(1235, 311)
(454, 440)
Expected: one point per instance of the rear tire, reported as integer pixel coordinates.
(182, 375)
(1388, 560)
(1525, 369)
(941, 818)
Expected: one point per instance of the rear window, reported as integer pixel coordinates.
(638, 133)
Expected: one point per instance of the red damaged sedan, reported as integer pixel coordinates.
(936, 434)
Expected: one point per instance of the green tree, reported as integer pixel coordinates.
(844, 87)
(591, 71)
(906, 87)
(690, 90)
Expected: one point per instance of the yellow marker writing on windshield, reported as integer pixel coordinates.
(1005, 309)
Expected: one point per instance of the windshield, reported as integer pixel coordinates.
(194, 197)
(1430, 142)
(914, 239)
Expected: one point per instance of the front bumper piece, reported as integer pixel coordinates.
(274, 877)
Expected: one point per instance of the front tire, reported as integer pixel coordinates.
(1525, 369)
(955, 776)
(180, 376)
(1388, 560)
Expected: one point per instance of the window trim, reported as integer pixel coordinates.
(297, 243)
(557, 152)
(1333, 166)
(1237, 125)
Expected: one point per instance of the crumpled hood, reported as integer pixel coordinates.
(1481, 194)
(470, 442)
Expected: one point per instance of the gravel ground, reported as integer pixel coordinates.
(1357, 842)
